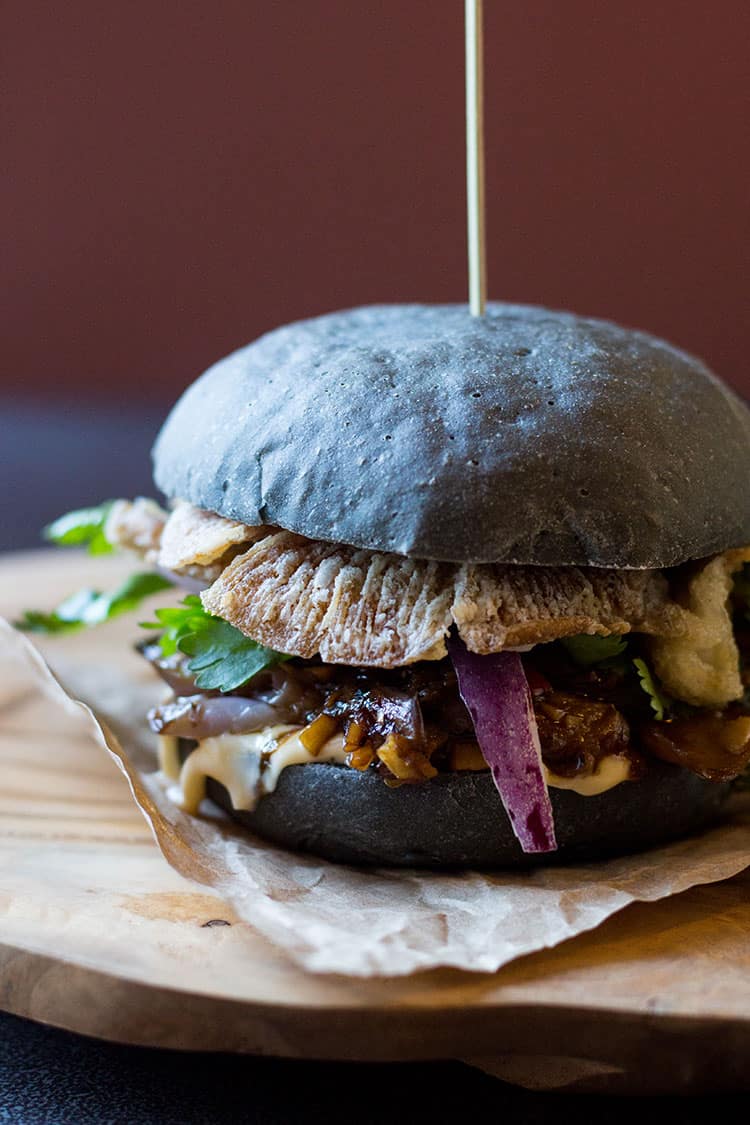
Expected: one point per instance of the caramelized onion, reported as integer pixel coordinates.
(172, 669)
(714, 747)
(206, 716)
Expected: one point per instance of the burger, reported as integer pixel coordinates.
(457, 591)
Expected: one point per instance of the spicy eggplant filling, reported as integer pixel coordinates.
(594, 700)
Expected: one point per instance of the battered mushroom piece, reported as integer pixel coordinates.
(700, 664)
(497, 607)
(186, 541)
(364, 607)
(352, 607)
(136, 526)
(303, 597)
(193, 537)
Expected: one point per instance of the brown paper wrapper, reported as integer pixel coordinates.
(336, 919)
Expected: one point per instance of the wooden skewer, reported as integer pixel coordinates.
(475, 158)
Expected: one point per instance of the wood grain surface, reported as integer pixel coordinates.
(99, 935)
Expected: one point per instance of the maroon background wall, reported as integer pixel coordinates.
(185, 175)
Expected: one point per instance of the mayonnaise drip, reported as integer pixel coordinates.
(249, 765)
(611, 771)
(169, 756)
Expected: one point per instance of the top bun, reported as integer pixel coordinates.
(525, 436)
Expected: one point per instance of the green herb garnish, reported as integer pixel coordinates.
(659, 703)
(221, 657)
(587, 651)
(91, 607)
(82, 528)
(611, 652)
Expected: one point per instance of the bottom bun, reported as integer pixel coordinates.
(457, 819)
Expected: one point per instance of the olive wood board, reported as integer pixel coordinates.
(100, 936)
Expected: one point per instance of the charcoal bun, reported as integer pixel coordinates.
(525, 436)
(457, 820)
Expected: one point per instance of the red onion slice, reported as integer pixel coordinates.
(496, 693)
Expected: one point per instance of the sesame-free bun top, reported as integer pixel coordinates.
(524, 436)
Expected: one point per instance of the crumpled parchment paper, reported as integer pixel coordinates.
(337, 919)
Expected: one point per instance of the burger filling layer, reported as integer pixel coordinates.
(289, 650)
(598, 723)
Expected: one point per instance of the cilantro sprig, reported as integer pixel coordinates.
(91, 607)
(82, 528)
(647, 680)
(586, 651)
(613, 652)
(221, 657)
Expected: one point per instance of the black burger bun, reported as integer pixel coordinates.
(457, 819)
(525, 436)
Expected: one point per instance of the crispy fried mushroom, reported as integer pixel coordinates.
(701, 665)
(307, 597)
(192, 537)
(352, 607)
(136, 526)
(363, 607)
(499, 607)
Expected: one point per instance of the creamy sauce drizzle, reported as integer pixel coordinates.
(169, 756)
(611, 770)
(249, 765)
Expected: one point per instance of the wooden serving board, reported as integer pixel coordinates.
(99, 935)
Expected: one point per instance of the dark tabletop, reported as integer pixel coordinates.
(54, 457)
(52, 1077)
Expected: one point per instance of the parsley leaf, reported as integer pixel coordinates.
(659, 702)
(221, 657)
(82, 528)
(587, 650)
(90, 607)
(177, 622)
